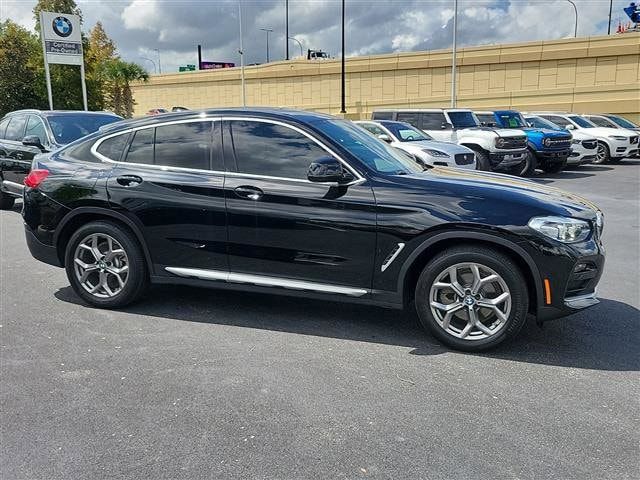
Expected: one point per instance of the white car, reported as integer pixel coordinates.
(583, 146)
(495, 149)
(417, 143)
(612, 121)
(613, 143)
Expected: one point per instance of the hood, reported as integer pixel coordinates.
(608, 132)
(547, 132)
(490, 198)
(582, 135)
(500, 132)
(447, 147)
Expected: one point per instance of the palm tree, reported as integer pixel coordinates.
(118, 76)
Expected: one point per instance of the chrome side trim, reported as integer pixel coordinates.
(265, 281)
(582, 301)
(390, 259)
(19, 186)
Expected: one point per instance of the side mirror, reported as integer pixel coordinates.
(32, 141)
(326, 170)
(384, 137)
(446, 126)
(569, 127)
(529, 124)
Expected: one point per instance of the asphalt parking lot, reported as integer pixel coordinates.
(195, 383)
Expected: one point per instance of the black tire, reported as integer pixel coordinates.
(603, 155)
(6, 201)
(137, 280)
(486, 257)
(555, 167)
(528, 167)
(482, 161)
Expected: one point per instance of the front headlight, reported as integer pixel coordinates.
(618, 137)
(435, 153)
(599, 222)
(500, 142)
(576, 141)
(563, 229)
(547, 142)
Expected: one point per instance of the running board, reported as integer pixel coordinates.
(264, 281)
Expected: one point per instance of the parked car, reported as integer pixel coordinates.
(495, 149)
(286, 201)
(583, 146)
(179, 109)
(26, 133)
(156, 111)
(613, 143)
(547, 149)
(612, 121)
(420, 145)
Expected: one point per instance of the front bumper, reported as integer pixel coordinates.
(621, 149)
(506, 159)
(553, 156)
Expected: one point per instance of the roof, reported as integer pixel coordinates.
(59, 112)
(273, 113)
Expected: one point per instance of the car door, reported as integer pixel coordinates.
(170, 179)
(16, 156)
(284, 228)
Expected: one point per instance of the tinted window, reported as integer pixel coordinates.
(486, 119)
(405, 132)
(185, 145)
(382, 116)
(113, 147)
(582, 122)
(15, 129)
(3, 126)
(463, 119)
(67, 127)
(433, 120)
(623, 122)
(373, 128)
(539, 122)
(36, 127)
(557, 120)
(602, 122)
(141, 148)
(273, 150)
(412, 118)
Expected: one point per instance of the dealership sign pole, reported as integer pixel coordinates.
(62, 44)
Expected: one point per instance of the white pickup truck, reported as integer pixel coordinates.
(495, 148)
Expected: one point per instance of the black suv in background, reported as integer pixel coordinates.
(26, 133)
(285, 201)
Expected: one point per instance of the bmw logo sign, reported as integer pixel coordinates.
(62, 26)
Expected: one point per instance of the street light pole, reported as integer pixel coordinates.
(575, 30)
(286, 7)
(610, 9)
(155, 70)
(268, 30)
(454, 52)
(159, 65)
(343, 108)
(241, 52)
(299, 43)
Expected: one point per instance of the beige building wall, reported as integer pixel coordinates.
(586, 75)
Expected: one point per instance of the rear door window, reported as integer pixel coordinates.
(184, 145)
(113, 147)
(15, 129)
(412, 118)
(141, 148)
(433, 120)
(602, 122)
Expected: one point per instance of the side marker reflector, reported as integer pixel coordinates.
(547, 291)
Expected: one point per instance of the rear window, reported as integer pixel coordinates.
(68, 127)
(15, 129)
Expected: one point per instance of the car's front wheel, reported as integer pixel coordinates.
(105, 265)
(482, 161)
(603, 155)
(472, 298)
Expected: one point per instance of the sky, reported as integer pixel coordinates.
(168, 31)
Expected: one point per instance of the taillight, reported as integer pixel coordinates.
(36, 177)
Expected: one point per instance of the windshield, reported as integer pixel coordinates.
(510, 120)
(463, 119)
(374, 153)
(68, 127)
(539, 122)
(623, 122)
(581, 122)
(405, 132)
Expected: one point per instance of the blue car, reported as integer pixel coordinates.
(547, 149)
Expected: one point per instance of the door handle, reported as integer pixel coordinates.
(129, 180)
(250, 193)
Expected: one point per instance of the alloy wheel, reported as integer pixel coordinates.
(101, 265)
(601, 154)
(470, 301)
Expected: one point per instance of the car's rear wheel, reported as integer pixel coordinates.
(482, 161)
(603, 155)
(105, 265)
(6, 201)
(472, 298)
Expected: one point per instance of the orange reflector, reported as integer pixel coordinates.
(547, 291)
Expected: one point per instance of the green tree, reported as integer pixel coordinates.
(58, 6)
(100, 50)
(118, 76)
(18, 72)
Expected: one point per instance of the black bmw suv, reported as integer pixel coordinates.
(301, 203)
(26, 133)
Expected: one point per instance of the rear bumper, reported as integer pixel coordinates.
(40, 251)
